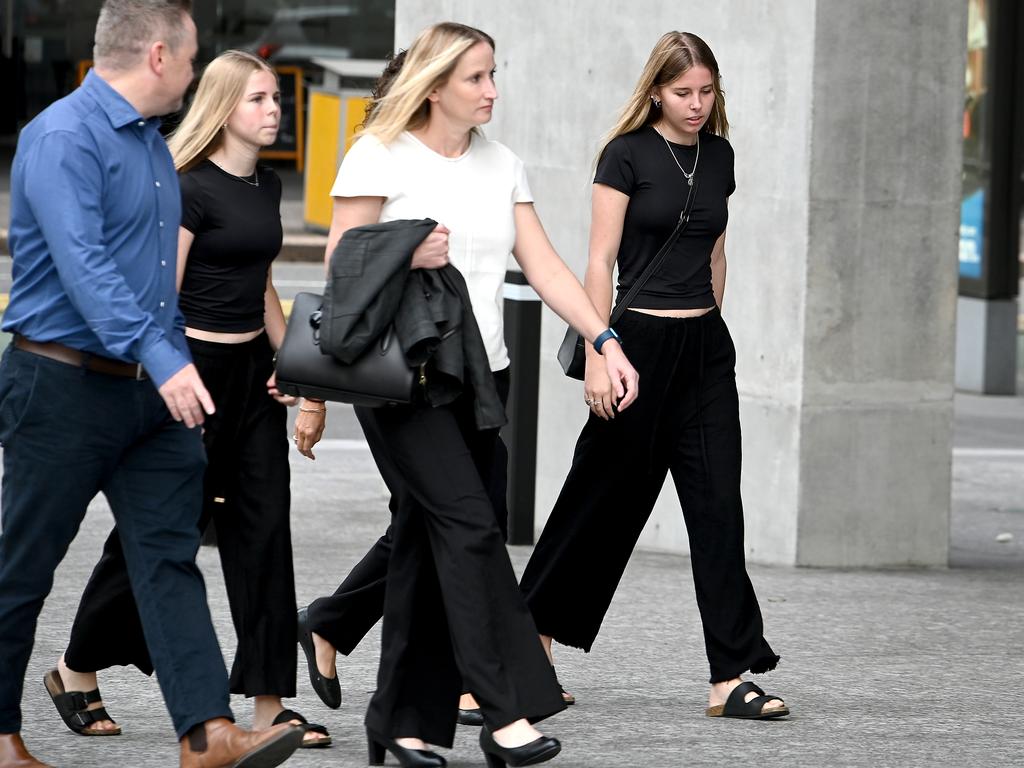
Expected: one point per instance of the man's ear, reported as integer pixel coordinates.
(157, 56)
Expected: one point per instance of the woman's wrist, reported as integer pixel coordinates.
(318, 406)
(602, 338)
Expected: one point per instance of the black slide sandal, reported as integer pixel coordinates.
(287, 715)
(73, 707)
(754, 709)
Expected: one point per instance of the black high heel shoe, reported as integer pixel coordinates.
(540, 750)
(471, 717)
(377, 745)
(327, 688)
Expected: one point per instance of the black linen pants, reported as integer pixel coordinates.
(344, 618)
(686, 421)
(246, 495)
(454, 618)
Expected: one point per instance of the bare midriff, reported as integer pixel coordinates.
(222, 338)
(674, 312)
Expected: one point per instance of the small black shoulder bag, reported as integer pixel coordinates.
(572, 354)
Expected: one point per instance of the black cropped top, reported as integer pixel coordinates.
(638, 164)
(237, 228)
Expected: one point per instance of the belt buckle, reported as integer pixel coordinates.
(140, 372)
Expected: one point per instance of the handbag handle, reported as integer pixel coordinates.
(659, 257)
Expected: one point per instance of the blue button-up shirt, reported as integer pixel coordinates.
(95, 208)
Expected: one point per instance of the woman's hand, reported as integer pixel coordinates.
(309, 426)
(288, 400)
(622, 378)
(432, 253)
(597, 387)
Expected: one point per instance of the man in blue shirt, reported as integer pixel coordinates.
(97, 390)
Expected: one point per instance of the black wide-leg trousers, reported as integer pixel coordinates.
(686, 421)
(344, 618)
(246, 495)
(454, 618)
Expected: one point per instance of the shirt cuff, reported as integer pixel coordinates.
(162, 360)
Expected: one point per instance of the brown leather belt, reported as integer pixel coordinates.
(90, 362)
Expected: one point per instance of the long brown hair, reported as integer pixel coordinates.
(674, 54)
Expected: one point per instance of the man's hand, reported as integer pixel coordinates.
(186, 397)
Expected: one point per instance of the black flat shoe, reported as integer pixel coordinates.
(327, 688)
(471, 717)
(540, 750)
(377, 745)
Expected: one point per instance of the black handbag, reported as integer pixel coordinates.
(572, 353)
(380, 376)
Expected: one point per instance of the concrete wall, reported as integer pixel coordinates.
(842, 244)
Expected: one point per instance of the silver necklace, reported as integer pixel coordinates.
(255, 173)
(689, 176)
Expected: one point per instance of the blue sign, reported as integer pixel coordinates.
(972, 241)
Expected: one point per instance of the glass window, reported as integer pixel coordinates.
(977, 154)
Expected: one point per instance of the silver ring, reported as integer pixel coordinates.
(588, 401)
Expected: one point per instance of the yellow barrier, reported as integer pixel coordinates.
(334, 117)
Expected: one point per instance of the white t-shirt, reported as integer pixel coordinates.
(473, 195)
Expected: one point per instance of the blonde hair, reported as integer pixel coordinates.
(428, 64)
(221, 88)
(674, 54)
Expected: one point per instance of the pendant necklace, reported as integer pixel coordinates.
(688, 176)
(251, 183)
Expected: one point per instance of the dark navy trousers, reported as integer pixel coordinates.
(68, 434)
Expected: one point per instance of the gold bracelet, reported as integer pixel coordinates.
(312, 410)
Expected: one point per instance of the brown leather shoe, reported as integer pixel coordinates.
(219, 743)
(14, 755)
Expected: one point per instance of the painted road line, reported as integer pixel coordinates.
(988, 453)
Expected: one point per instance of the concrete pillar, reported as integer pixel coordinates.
(842, 245)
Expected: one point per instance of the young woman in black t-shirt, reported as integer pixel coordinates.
(230, 233)
(671, 135)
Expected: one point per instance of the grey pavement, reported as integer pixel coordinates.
(880, 668)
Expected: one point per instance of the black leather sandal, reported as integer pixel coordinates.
(287, 715)
(327, 688)
(754, 709)
(73, 707)
(567, 697)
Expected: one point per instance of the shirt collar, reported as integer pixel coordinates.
(119, 111)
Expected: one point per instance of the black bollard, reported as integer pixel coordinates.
(522, 337)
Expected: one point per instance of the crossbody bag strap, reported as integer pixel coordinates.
(659, 257)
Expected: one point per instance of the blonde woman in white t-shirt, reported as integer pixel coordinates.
(453, 615)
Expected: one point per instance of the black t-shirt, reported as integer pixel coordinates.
(638, 164)
(237, 228)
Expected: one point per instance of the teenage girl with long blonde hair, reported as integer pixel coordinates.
(669, 147)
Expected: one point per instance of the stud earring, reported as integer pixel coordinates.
(657, 102)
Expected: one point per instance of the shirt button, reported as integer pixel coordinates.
(142, 122)
(163, 263)
(161, 303)
(161, 223)
(157, 183)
